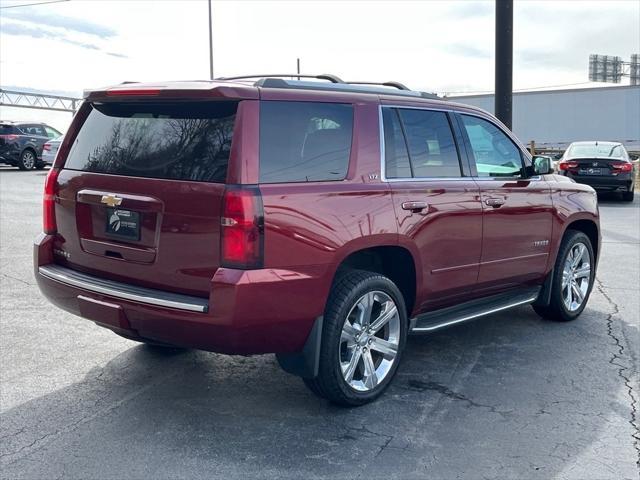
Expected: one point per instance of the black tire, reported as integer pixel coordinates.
(27, 160)
(557, 310)
(40, 165)
(347, 290)
(628, 196)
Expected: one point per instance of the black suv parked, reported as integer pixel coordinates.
(21, 143)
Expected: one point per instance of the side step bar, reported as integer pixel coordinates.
(431, 321)
(124, 290)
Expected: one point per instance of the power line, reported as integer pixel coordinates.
(524, 89)
(553, 86)
(33, 4)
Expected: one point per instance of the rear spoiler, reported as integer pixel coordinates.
(178, 90)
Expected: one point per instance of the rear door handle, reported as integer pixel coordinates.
(494, 202)
(414, 206)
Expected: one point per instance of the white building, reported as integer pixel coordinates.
(554, 118)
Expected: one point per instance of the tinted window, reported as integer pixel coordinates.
(34, 130)
(185, 141)
(7, 129)
(395, 148)
(52, 132)
(432, 150)
(304, 141)
(494, 152)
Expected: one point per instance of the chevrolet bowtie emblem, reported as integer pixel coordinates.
(111, 200)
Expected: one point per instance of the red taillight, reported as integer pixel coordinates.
(567, 165)
(622, 166)
(10, 137)
(114, 92)
(49, 202)
(242, 228)
(46, 147)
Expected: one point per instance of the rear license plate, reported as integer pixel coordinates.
(590, 171)
(123, 224)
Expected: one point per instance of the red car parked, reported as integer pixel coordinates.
(319, 221)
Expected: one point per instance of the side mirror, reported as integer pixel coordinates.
(542, 165)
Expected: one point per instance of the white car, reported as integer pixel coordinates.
(50, 150)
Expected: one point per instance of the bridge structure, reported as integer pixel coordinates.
(38, 101)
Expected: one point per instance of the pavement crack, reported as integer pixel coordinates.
(354, 433)
(357, 433)
(383, 447)
(14, 434)
(420, 386)
(28, 446)
(616, 359)
(18, 280)
(95, 412)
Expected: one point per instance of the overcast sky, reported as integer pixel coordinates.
(440, 46)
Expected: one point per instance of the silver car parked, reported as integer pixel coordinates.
(50, 150)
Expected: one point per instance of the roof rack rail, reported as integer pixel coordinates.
(398, 85)
(291, 80)
(324, 76)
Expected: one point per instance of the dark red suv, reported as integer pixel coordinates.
(319, 220)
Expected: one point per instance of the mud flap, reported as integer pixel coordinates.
(306, 362)
(544, 298)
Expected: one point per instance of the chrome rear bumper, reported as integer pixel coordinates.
(123, 290)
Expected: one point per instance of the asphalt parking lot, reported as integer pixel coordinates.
(509, 396)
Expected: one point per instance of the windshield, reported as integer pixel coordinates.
(602, 150)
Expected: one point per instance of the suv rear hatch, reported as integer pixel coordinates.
(141, 192)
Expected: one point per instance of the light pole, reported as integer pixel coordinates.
(210, 44)
(504, 61)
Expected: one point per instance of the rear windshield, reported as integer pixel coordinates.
(182, 141)
(602, 150)
(304, 141)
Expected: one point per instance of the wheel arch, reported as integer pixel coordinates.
(393, 261)
(590, 229)
(31, 148)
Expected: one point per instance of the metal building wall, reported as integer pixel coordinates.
(557, 117)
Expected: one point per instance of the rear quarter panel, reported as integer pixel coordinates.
(321, 223)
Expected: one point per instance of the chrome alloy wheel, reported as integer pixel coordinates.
(369, 341)
(28, 160)
(576, 276)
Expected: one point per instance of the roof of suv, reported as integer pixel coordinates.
(248, 87)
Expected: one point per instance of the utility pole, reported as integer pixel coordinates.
(298, 67)
(210, 44)
(504, 61)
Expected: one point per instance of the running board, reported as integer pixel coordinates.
(430, 321)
